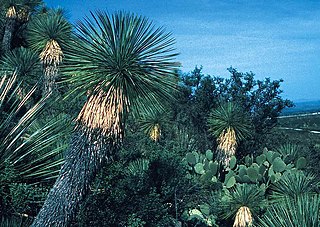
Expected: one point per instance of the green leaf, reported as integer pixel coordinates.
(209, 155)
(213, 166)
(205, 209)
(301, 163)
(191, 159)
(278, 165)
(252, 174)
(199, 168)
(233, 162)
(261, 159)
(231, 182)
(270, 156)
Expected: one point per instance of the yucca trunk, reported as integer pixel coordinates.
(83, 160)
(11, 17)
(50, 75)
(98, 133)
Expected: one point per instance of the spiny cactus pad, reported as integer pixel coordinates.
(278, 165)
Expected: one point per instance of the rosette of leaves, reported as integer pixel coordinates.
(289, 152)
(302, 211)
(25, 64)
(30, 151)
(138, 167)
(151, 123)
(242, 202)
(229, 124)
(47, 34)
(293, 184)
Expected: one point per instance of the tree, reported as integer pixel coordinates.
(48, 34)
(230, 125)
(261, 99)
(122, 63)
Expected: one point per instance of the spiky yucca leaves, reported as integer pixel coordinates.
(124, 63)
(292, 185)
(230, 125)
(24, 63)
(31, 154)
(121, 62)
(303, 211)
(151, 124)
(138, 167)
(289, 151)
(48, 34)
(242, 202)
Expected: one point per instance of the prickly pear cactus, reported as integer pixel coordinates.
(262, 170)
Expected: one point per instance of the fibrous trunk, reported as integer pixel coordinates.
(8, 32)
(83, 160)
(49, 79)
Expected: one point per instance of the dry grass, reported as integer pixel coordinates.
(23, 14)
(227, 145)
(11, 13)
(243, 217)
(51, 53)
(104, 112)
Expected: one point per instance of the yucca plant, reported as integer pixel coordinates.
(29, 156)
(292, 185)
(242, 203)
(25, 150)
(302, 211)
(290, 152)
(230, 124)
(138, 167)
(48, 34)
(122, 63)
(25, 64)
(151, 123)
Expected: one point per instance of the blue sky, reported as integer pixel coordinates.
(276, 39)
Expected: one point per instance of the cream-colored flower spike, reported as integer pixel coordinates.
(155, 132)
(243, 217)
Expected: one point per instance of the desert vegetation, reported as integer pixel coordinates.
(100, 127)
